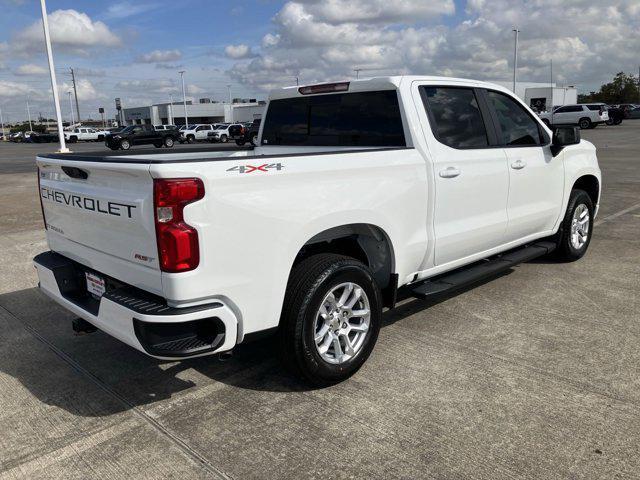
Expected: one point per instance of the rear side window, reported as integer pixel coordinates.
(455, 117)
(597, 107)
(569, 109)
(366, 119)
(516, 125)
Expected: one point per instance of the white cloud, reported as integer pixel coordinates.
(127, 9)
(160, 56)
(31, 69)
(71, 30)
(325, 40)
(238, 51)
(150, 86)
(86, 90)
(194, 89)
(10, 90)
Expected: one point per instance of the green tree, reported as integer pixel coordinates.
(623, 89)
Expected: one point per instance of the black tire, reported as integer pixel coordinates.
(224, 138)
(546, 122)
(240, 143)
(617, 121)
(566, 249)
(100, 138)
(191, 139)
(310, 281)
(125, 145)
(254, 140)
(168, 142)
(584, 123)
(610, 122)
(73, 139)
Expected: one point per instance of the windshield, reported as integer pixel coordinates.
(220, 127)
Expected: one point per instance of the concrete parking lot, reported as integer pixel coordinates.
(535, 374)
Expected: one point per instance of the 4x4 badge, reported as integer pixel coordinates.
(256, 168)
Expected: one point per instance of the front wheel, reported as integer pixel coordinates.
(254, 140)
(224, 138)
(584, 123)
(125, 145)
(330, 318)
(576, 229)
(240, 143)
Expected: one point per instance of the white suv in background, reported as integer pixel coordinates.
(195, 132)
(587, 115)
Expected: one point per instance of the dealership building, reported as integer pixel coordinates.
(205, 111)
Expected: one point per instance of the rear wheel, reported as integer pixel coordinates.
(240, 143)
(584, 123)
(576, 229)
(254, 140)
(73, 139)
(224, 138)
(168, 142)
(330, 318)
(191, 139)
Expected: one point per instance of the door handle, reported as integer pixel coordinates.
(518, 164)
(449, 172)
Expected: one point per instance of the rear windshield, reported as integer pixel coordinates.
(366, 119)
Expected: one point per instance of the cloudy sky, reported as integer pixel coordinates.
(134, 49)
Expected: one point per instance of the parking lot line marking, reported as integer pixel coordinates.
(618, 214)
(181, 444)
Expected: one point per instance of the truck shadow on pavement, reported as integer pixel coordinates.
(96, 375)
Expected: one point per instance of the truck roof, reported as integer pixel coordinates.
(382, 83)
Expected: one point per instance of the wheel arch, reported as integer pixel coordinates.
(364, 241)
(590, 184)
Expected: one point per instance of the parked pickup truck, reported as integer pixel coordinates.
(140, 135)
(358, 192)
(84, 134)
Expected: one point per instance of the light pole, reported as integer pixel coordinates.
(52, 72)
(71, 109)
(229, 91)
(170, 110)
(515, 57)
(29, 115)
(184, 98)
(2, 125)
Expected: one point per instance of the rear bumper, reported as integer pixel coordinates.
(137, 318)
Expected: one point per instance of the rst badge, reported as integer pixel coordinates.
(256, 168)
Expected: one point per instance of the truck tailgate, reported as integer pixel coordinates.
(101, 214)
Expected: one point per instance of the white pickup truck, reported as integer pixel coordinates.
(85, 134)
(358, 192)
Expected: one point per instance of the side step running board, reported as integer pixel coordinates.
(475, 272)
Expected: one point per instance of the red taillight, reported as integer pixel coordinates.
(178, 247)
(44, 219)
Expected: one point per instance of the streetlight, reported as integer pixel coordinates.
(184, 98)
(229, 90)
(2, 124)
(29, 115)
(515, 57)
(52, 72)
(71, 108)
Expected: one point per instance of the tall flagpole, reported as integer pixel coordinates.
(52, 72)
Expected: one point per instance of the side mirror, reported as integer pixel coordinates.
(564, 136)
